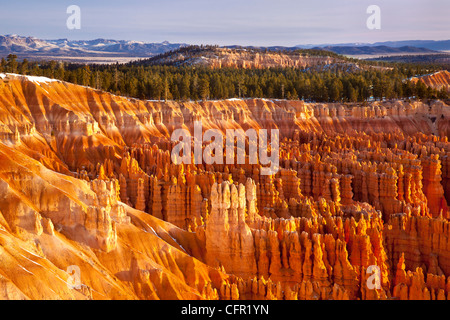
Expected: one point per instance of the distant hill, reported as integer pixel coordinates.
(442, 59)
(438, 45)
(377, 50)
(252, 58)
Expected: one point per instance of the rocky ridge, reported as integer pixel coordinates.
(439, 80)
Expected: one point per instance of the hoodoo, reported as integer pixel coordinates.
(88, 185)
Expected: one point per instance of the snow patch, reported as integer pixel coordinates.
(177, 243)
(153, 230)
(35, 79)
(40, 79)
(26, 270)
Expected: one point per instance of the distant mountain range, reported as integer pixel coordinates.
(355, 50)
(438, 45)
(376, 50)
(33, 47)
(107, 50)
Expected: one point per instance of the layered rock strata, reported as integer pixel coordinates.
(87, 180)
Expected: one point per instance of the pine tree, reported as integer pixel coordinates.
(166, 89)
(23, 68)
(352, 94)
(421, 90)
(204, 88)
(11, 63)
(3, 65)
(443, 93)
(194, 87)
(335, 90)
(52, 65)
(86, 75)
(185, 90)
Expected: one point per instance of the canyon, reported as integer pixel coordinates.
(86, 180)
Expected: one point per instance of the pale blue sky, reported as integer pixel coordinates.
(228, 22)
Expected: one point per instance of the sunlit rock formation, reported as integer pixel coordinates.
(87, 183)
(439, 80)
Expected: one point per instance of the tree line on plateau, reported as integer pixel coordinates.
(164, 82)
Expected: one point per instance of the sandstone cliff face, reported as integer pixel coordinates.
(438, 80)
(236, 58)
(87, 180)
(229, 240)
